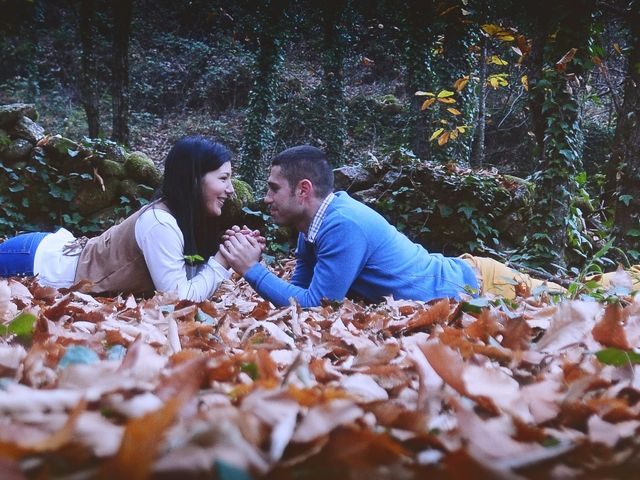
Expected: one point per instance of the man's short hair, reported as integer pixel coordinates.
(305, 161)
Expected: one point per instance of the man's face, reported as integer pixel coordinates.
(285, 207)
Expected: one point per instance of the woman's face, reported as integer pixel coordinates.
(216, 188)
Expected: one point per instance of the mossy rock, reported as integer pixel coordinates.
(16, 150)
(5, 139)
(110, 168)
(91, 197)
(140, 167)
(11, 114)
(232, 211)
(66, 154)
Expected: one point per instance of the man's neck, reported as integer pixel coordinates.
(310, 213)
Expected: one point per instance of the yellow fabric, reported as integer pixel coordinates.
(494, 277)
(634, 271)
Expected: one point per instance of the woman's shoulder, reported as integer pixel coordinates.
(156, 213)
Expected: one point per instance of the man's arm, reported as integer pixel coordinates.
(303, 272)
(341, 255)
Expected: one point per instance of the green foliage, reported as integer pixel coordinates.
(22, 325)
(617, 357)
(55, 187)
(447, 208)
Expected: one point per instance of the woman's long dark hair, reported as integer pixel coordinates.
(187, 162)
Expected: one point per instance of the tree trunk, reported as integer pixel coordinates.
(420, 15)
(122, 11)
(89, 74)
(561, 151)
(334, 127)
(259, 135)
(477, 150)
(626, 152)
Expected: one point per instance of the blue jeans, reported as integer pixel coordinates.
(18, 253)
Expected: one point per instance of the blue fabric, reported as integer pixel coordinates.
(358, 253)
(17, 254)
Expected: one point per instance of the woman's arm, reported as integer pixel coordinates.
(162, 244)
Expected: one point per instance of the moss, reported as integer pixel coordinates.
(140, 167)
(110, 168)
(129, 188)
(91, 197)
(232, 211)
(244, 192)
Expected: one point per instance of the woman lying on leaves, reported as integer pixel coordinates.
(153, 249)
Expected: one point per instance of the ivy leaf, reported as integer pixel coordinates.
(617, 357)
(626, 199)
(634, 232)
(467, 211)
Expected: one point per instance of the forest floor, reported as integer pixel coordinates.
(484, 388)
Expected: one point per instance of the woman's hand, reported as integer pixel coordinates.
(218, 257)
(241, 252)
(248, 232)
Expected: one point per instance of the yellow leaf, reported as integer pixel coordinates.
(525, 82)
(498, 80)
(435, 134)
(505, 36)
(454, 111)
(490, 28)
(462, 128)
(427, 103)
(498, 32)
(461, 83)
(445, 93)
(420, 93)
(453, 134)
(496, 60)
(447, 100)
(617, 48)
(444, 138)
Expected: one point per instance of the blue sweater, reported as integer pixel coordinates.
(357, 252)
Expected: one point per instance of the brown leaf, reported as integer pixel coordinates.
(561, 65)
(517, 334)
(447, 363)
(437, 313)
(53, 442)
(140, 443)
(609, 331)
(484, 327)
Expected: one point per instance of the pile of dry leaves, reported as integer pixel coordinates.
(233, 388)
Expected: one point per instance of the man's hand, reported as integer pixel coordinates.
(241, 252)
(247, 232)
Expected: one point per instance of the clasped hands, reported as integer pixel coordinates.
(242, 248)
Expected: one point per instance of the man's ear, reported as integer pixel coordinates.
(305, 188)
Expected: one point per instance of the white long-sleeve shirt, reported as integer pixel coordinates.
(162, 244)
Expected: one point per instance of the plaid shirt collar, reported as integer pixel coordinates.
(310, 236)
